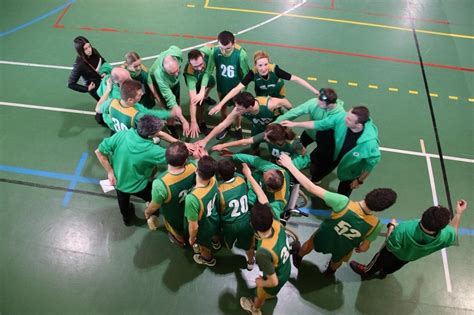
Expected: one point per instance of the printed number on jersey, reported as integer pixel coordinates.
(228, 71)
(239, 206)
(345, 229)
(210, 205)
(285, 253)
(118, 126)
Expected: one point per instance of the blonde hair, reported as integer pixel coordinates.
(259, 54)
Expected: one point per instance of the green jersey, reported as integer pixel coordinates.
(169, 191)
(201, 205)
(123, 118)
(234, 202)
(346, 228)
(271, 86)
(197, 79)
(292, 148)
(114, 93)
(264, 116)
(277, 246)
(277, 199)
(230, 70)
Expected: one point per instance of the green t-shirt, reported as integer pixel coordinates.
(133, 159)
(194, 78)
(408, 242)
(114, 93)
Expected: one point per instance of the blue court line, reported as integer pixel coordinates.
(73, 183)
(37, 19)
(326, 213)
(53, 175)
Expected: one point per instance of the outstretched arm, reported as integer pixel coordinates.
(285, 161)
(227, 98)
(461, 205)
(300, 124)
(304, 83)
(261, 197)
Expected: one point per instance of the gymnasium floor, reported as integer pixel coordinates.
(63, 247)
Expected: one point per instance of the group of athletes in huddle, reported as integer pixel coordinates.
(203, 201)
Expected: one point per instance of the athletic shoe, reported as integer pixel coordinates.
(248, 305)
(358, 268)
(250, 265)
(202, 261)
(329, 273)
(238, 134)
(221, 135)
(209, 101)
(216, 245)
(175, 240)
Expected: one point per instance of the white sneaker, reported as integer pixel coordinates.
(200, 260)
(248, 305)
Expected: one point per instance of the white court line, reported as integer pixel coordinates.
(444, 254)
(155, 56)
(67, 110)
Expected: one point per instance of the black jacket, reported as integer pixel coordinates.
(82, 69)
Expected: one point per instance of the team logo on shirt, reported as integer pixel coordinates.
(356, 154)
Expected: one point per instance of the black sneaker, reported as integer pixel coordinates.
(216, 245)
(238, 134)
(173, 131)
(209, 101)
(221, 135)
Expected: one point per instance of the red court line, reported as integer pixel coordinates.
(60, 17)
(297, 47)
(332, 5)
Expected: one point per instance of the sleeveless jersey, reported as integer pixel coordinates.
(272, 86)
(208, 201)
(343, 231)
(197, 74)
(123, 118)
(264, 115)
(289, 147)
(234, 200)
(177, 186)
(277, 245)
(228, 70)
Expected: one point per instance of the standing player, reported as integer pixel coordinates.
(350, 226)
(170, 189)
(272, 254)
(231, 66)
(234, 208)
(201, 211)
(199, 79)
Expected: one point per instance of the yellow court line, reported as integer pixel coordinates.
(312, 78)
(393, 89)
(453, 97)
(190, 5)
(405, 29)
(471, 100)
(352, 84)
(332, 81)
(433, 94)
(413, 92)
(373, 86)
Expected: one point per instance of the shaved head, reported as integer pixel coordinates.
(119, 75)
(171, 65)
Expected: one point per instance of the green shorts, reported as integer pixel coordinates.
(241, 233)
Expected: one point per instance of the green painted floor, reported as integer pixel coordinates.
(80, 259)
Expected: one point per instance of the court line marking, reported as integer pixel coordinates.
(375, 25)
(37, 19)
(444, 254)
(83, 112)
(77, 174)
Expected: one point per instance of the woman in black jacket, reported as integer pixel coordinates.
(86, 68)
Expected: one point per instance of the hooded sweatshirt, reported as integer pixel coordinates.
(165, 81)
(132, 158)
(409, 242)
(363, 157)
